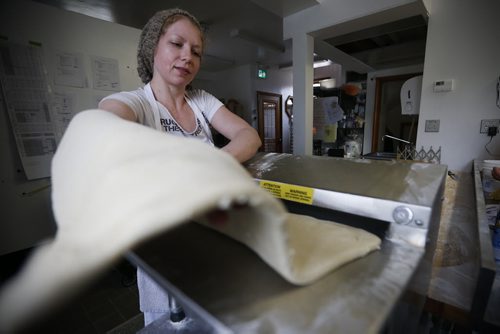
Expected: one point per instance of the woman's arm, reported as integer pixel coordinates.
(244, 140)
(118, 108)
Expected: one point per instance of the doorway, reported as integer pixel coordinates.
(387, 116)
(269, 106)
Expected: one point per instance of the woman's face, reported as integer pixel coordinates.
(178, 53)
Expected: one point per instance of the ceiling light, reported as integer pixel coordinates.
(322, 63)
(327, 83)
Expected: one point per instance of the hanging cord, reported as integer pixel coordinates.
(486, 148)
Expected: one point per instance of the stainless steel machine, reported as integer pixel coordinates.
(225, 288)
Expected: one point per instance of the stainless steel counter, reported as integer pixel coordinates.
(224, 284)
(398, 181)
(405, 194)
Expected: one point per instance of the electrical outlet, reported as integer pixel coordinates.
(487, 123)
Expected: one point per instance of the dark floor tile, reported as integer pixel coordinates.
(126, 305)
(68, 320)
(110, 300)
(86, 328)
(109, 322)
(125, 297)
(72, 319)
(131, 326)
(94, 298)
(129, 311)
(102, 309)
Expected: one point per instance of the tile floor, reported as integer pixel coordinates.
(109, 302)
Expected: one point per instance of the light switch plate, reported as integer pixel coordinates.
(432, 125)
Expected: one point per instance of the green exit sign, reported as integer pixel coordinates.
(262, 74)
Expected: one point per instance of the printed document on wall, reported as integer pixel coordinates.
(69, 69)
(26, 98)
(63, 110)
(106, 73)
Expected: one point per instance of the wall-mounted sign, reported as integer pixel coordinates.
(262, 74)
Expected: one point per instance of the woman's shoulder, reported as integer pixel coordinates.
(204, 101)
(198, 93)
(136, 100)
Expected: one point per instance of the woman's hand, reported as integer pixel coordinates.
(220, 217)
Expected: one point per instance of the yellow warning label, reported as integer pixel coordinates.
(288, 191)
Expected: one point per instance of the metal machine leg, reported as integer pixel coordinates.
(176, 312)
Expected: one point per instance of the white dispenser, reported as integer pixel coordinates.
(410, 96)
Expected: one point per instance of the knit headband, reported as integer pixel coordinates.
(150, 36)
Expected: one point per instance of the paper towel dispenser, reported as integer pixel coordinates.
(410, 96)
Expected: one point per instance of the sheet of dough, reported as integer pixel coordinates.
(116, 183)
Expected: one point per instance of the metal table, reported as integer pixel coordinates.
(228, 288)
(226, 284)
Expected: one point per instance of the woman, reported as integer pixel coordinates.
(169, 57)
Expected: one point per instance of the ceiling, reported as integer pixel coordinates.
(394, 44)
(242, 32)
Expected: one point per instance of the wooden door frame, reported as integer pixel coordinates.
(278, 119)
(378, 103)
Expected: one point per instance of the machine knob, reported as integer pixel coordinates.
(402, 215)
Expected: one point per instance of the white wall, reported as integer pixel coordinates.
(235, 83)
(463, 44)
(59, 30)
(27, 219)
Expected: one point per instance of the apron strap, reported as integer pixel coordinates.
(154, 106)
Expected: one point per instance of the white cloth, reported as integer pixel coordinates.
(111, 189)
(155, 299)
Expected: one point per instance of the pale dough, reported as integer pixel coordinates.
(300, 248)
(116, 183)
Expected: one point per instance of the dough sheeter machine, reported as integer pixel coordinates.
(224, 287)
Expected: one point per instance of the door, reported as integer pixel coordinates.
(269, 121)
(387, 116)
